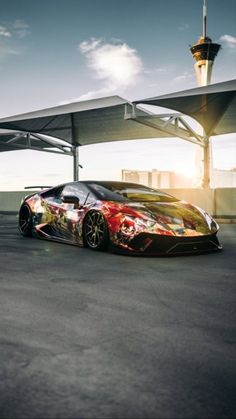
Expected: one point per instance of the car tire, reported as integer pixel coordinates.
(95, 231)
(25, 221)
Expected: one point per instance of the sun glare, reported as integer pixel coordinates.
(187, 170)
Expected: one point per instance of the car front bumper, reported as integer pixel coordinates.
(154, 244)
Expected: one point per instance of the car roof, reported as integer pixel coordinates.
(112, 182)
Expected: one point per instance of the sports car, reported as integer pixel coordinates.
(121, 216)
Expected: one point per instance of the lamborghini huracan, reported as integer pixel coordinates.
(126, 217)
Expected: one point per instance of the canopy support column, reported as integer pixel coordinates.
(75, 148)
(206, 164)
(76, 164)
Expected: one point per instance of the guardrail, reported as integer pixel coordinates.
(220, 202)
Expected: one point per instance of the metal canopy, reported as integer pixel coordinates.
(83, 123)
(95, 121)
(213, 106)
(115, 119)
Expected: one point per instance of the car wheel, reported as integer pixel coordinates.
(95, 231)
(25, 220)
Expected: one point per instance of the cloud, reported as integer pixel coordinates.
(7, 50)
(104, 91)
(115, 63)
(228, 40)
(4, 32)
(184, 77)
(87, 46)
(21, 28)
(184, 27)
(9, 38)
(160, 70)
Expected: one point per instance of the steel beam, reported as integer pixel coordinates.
(26, 147)
(171, 126)
(52, 143)
(16, 138)
(13, 142)
(167, 127)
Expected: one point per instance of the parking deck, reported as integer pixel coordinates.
(97, 335)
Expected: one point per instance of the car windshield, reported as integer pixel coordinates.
(121, 191)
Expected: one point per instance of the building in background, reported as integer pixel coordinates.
(144, 177)
(164, 179)
(156, 178)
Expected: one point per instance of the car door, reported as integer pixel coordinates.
(65, 218)
(54, 213)
(70, 215)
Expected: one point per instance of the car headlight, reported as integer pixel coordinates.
(134, 224)
(140, 222)
(211, 222)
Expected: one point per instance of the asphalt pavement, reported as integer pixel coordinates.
(88, 334)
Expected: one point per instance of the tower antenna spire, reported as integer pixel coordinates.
(204, 18)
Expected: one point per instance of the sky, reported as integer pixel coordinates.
(57, 51)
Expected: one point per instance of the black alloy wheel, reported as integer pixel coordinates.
(25, 220)
(95, 231)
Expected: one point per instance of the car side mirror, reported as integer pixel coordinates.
(71, 199)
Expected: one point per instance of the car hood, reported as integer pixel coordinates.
(180, 217)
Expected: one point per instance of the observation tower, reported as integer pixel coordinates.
(204, 52)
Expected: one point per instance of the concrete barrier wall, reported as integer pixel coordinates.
(220, 202)
(10, 201)
(203, 198)
(225, 202)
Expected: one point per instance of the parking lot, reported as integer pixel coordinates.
(88, 334)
